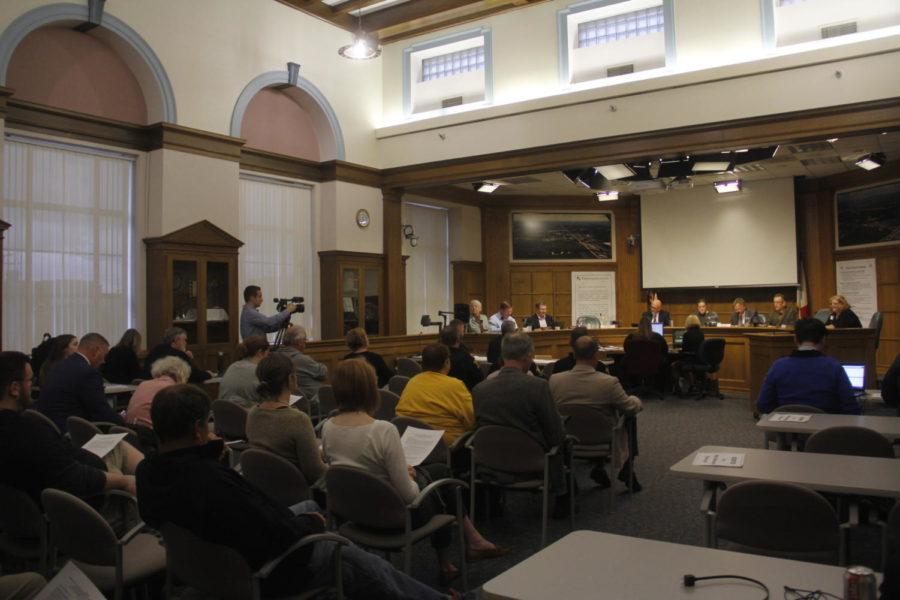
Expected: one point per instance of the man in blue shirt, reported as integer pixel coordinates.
(808, 377)
(254, 322)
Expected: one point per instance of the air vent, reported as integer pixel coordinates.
(620, 70)
(838, 30)
(825, 160)
(809, 148)
(521, 180)
(455, 101)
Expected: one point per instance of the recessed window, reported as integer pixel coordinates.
(621, 27)
(454, 63)
(789, 22)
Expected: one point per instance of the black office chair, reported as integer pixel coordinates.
(643, 360)
(822, 314)
(875, 323)
(710, 356)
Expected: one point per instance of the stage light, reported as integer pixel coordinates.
(613, 172)
(725, 187)
(871, 161)
(607, 195)
(485, 187)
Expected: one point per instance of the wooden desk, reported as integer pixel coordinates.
(586, 565)
(889, 427)
(835, 473)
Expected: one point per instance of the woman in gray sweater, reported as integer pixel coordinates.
(275, 427)
(239, 382)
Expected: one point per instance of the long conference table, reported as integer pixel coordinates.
(749, 351)
(889, 427)
(586, 565)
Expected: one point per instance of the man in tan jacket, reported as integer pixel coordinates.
(585, 386)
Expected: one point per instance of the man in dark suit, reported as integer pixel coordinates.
(493, 350)
(656, 314)
(462, 363)
(540, 319)
(515, 399)
(743, 315)
(175, 344)
(75, 386)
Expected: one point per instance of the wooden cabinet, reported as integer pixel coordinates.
(352, 293)
(192, 284)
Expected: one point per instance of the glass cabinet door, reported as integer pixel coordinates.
(184, 296)
(373, 301)
(350, 298)
(218, 309)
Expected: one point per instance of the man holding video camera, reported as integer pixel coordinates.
(255, 323)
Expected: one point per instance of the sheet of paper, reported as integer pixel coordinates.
(103, 443)
(789, 418)
(70, 584)
(294, 399)
(718, 459)
(418, 443)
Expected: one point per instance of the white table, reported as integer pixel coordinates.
(587, 565)
(835, 473)
(889, 427)
(111, 389)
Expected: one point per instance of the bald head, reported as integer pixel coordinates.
(585, 350)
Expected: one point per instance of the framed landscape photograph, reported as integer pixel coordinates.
(868, 216)
(538, 236)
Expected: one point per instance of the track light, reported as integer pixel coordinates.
(485, 187)
(613, 172)
(871, 161)
(725, 187)
(607, 195)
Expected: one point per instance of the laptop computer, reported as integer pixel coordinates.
(857, 376)
(657, 328)
(678, 338)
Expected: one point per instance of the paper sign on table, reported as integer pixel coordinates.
(789, 418)
(70, 584)
(294, 399)
(718, 459)
(103, 443)
(418, 443)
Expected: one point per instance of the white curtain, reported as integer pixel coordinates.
(428, 267)
(67, 259)
(276, 228)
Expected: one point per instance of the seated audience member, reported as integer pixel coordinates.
(310, 374)
(437, 399)
(513, 399)
(707, 316)
(358, 342)
(807, 376)
(168, 370)
(890, 385)
(61, 347)
(781, 314)
(239, 382)
(75, 386)
(462, 363)
(478, 322)
(841, 316)
(175, 344)
(584, 386)
(656, 314)
(645, 332)
(34, 457)
(504, 313)
(494, 347)
(21, 586)
(187, 485)
(353, 438)
(277, 427)
(742, 315)
(568, 362)
(121, 364)
(690, 346)
(540, 319)
(693, 336)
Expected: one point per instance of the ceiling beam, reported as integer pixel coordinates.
(410, 11)
(351, 5)
(318, 9)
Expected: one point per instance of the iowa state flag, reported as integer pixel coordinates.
(802, 297)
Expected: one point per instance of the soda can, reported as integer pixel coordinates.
(859, 584)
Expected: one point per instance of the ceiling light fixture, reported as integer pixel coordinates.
(363, 47)
(832, 140)
(607, 195)
(871, 161)
(725, 187)
(485, 187)
(613, 172)
(712, 166)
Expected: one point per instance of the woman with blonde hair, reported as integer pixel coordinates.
(353, 438)
(841, 316)
(358, 342)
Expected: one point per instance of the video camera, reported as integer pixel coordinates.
(281, 303)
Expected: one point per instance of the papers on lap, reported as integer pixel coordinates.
(418, 443)
(70, 584)
(788, 417)
(294, 399)
(718, 459)
(103, 443)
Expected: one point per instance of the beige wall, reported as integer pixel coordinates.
(339, 204)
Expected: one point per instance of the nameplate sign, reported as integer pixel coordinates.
(718, 459)
(789, 418)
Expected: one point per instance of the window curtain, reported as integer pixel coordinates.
(276, 228)
(67, 259)
(428, 267)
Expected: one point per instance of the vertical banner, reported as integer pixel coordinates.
(858, 283)
(594, 295)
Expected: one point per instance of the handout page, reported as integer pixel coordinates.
(294, 399)
(718, 459)
(418, 443)
(70, 584)
(103, 443)
(789, 418)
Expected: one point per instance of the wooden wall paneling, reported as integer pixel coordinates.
(468, 281)
(495, 254)
(394, 280)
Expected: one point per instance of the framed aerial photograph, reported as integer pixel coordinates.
(868, 216)
(562, 236)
